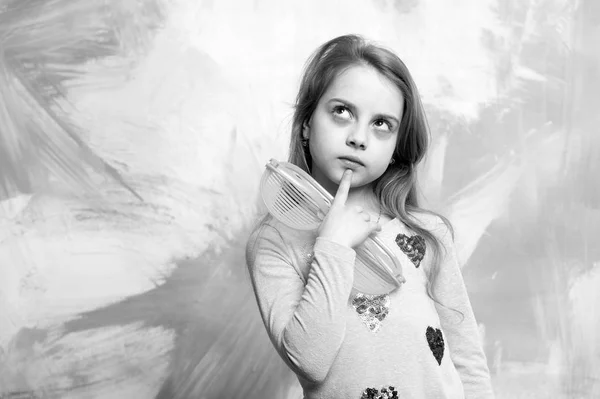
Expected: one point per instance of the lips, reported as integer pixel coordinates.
(352, 159)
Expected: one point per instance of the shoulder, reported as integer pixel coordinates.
(270, 235)
(265, 231)
(435, 223)
(267, 228)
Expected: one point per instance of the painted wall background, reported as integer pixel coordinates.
(132, 139)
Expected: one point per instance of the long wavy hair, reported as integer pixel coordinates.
(396, 189)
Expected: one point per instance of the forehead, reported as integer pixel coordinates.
(366, 88)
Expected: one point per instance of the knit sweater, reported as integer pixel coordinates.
(343, 344)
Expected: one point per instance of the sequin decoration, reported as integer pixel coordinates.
(371, 309)
(385, 393)
(413, 247)
(435, 339)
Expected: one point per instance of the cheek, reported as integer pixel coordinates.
(323, 138)
(387, 149)
(315, 147)
(386, 155)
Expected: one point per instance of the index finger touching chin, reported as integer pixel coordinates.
(342, 192)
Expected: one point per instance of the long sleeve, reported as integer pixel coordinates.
(463, 338)
(304, 319)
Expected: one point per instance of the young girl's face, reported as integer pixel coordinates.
(355, 126)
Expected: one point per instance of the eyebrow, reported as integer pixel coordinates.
(353, 107)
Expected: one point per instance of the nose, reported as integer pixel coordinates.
(357, 138)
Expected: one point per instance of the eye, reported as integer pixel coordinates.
(382, 123)
(341, 111)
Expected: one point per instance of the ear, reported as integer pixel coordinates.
(305, 130)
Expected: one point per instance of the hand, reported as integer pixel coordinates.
(347, 225)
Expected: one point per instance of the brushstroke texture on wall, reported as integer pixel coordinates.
(132, 139)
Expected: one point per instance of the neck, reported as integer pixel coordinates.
(364, 197)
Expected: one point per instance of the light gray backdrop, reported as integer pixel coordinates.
(132, 139)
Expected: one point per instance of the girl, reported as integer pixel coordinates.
(360, 130)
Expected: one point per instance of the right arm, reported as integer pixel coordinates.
(305, 320)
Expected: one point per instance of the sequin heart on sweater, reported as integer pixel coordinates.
(372, 309)
(385, 393)
(435, 339)
(413, 247)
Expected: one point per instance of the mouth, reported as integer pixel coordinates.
(351, 161)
